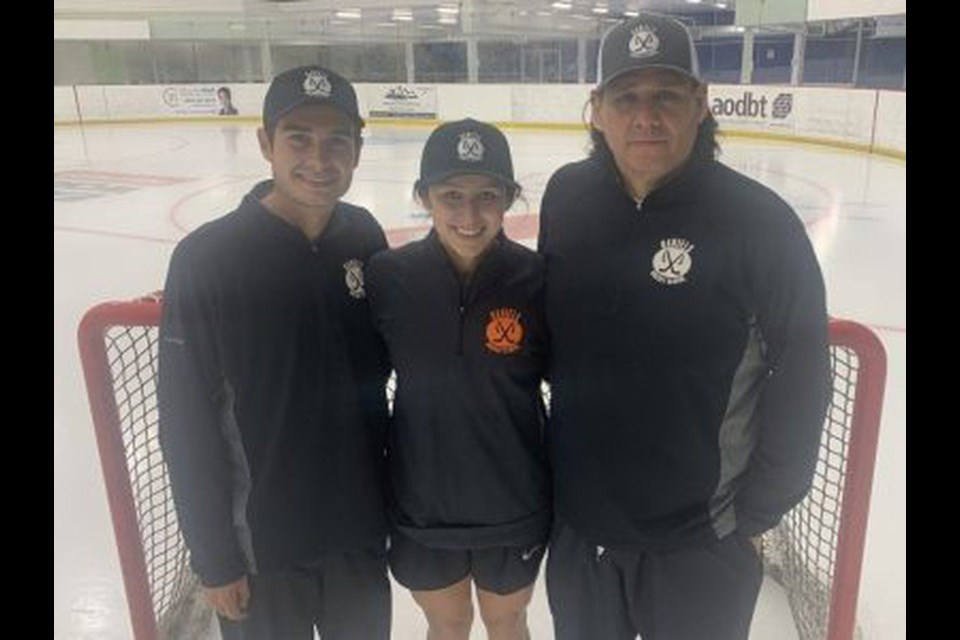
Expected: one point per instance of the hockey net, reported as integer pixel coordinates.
(815, 553)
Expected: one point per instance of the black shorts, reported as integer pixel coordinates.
(501, 570)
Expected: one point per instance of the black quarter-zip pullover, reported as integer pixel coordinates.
(272, 410)
(689, 362)
(467, 459)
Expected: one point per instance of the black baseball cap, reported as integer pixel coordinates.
(308, 85)
(649, 41)
(466, 146)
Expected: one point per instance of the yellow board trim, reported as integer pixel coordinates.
(824, 142)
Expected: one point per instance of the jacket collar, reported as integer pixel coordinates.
(679, 187)
(279, 227)
(489, 273)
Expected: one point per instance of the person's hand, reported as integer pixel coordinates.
(230, 600)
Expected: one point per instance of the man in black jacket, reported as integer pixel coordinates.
(272, 407)
(689, 368)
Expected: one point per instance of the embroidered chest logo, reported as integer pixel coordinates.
(354, 278)
(504, 331)
(317, 84)
(643, 42)
(469, 147)
(672, 262)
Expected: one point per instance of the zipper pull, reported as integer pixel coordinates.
(640, 205)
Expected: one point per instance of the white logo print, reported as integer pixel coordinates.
(672, 262)
(354, 278)
(526, 555)
(317, 84)
(470, 148)
(644, 42)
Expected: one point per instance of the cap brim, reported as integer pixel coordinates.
(667, 67)
(305, 100)
(440, 177)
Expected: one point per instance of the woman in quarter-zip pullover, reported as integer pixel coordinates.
(461, 312)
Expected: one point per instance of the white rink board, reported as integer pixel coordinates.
(843, 115)
(92, 101)
(837, 114)
(490, 102)
(64, 105)
(849, 116)
(553, 103)
(892, 120)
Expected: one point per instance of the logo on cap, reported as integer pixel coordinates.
(316, 84)
(643, 42)
(470, 148)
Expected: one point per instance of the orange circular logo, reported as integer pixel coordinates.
(504, 331)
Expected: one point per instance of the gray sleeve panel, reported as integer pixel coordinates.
(241, 482)
(738, 431)
(787, 292)
(189, 404)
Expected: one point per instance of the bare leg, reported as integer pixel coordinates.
(505, 617)
(449, 610)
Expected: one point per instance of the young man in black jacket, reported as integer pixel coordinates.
(689, 362)
(272, 408)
